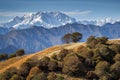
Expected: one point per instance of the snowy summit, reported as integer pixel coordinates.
(45, 19)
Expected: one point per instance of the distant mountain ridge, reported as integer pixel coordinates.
(99, 22)
(37, 31)
(38, 38)
(45, 19)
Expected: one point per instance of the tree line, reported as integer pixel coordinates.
(20, 52)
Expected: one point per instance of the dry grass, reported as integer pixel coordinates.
(14, 62)
(17, 61)
(114, 41)
(9, 62)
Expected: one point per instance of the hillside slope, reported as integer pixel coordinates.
(97, 59)
(16, 62)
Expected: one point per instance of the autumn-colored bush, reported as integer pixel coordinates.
(67, 38)
(34, 71)
(115, 48)
(117, 57)
(40, 76)
(32, 62)
(102, 40)
(60, 64)
(51, 76)
(43, 63)
(89, 63)
(24, 69)
(96, 53)
(12, 55)
(3, 57)
(20, 52)
(60, 78)
(83, 52)
(102, 68)
(62, 54)
(91, 75)
(74, 37)
(52, 65)
(72, 65)
(54, 56)
(106, 53)
(92, 41)
(16, 77)
(106, 77)
(90, 54)
(115, 70)
(8, 73)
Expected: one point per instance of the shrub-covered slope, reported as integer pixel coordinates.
(95, 59)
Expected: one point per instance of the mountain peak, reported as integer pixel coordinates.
(45, 19)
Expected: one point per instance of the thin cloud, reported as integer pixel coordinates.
(71, 13)
(81, 13)
(12, 14)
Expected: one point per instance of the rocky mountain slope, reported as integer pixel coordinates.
(39, 38)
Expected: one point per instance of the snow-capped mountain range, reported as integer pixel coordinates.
(37, 31)
(46, 19)
(99, 22)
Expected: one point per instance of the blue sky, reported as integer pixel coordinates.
(79, 9)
